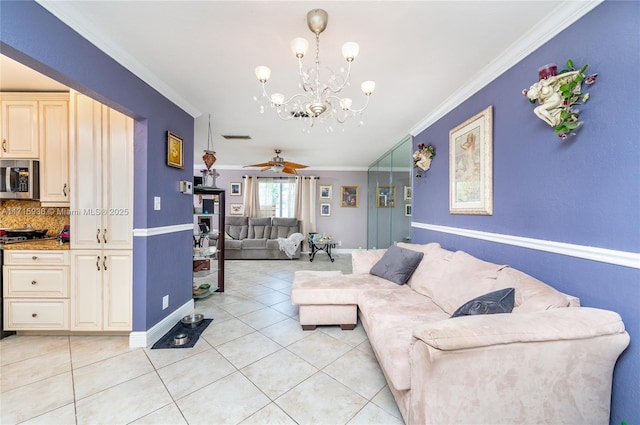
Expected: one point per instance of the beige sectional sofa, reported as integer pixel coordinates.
(249, 238)
(548, 361)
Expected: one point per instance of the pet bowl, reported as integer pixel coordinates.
(192, 320)
(180, 339)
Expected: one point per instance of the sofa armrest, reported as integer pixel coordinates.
(492, 329)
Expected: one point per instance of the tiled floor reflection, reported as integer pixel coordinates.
(253, 365)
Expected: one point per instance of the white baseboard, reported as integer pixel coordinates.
(148, 338)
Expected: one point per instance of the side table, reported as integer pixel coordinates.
(321, 245)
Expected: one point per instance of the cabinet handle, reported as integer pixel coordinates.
(4, 145)
(64, 190)
(98, 236)
(34, 315)
(104, 263)
(104, 235)
(33, 282)
(34, 258)
(98, 263)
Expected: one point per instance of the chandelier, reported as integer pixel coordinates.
(318, 101)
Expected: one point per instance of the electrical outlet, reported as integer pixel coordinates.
(156, 203)
(339, 243)
(165, 302)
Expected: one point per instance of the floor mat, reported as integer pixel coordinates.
(193, 333)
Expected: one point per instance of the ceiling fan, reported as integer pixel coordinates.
(279, 165)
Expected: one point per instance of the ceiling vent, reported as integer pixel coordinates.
(300, 114)
(235, 137)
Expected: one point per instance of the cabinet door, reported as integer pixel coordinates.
(86, 171)
(117, 290)
(19, 129)
(86, 290)
(117, 169)
(54, 152)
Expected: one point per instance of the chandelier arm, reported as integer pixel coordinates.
(344, 83)
(304, 83)
(363, 108)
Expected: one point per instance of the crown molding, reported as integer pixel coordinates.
(65, 12)
(558, 20)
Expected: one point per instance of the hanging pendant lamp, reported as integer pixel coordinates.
(209, 156)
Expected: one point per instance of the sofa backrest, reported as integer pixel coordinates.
(451, 279)
(284, 227)
(237, 227)
(259, 228)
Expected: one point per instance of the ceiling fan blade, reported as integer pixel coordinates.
(294, 165)
(266, 168)
(289, 170)
(264, 164)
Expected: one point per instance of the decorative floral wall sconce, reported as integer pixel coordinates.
(558, 94)
(422, 158)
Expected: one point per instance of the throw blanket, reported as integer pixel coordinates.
(290, 245)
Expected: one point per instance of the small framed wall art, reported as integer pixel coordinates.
(235, 189)
(407, 193)
(407, 210)
(349, 196)
(236, 209)
(325, 210)
(471, 165)
(326, 191)
(175, 151)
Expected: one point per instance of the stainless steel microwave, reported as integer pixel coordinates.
(19, 179)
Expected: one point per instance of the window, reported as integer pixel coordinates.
(277, 197)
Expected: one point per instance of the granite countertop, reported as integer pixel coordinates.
(49, 244)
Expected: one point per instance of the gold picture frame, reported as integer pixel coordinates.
(349, 196)
(471, 165)
(386, 196)
(175, 150)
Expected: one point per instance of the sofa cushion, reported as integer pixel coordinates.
(232, 244)
(254, 244)
(465, 278)
(531, 294)
(397, 264)
(495, 302)
(237, 227)
(283, 227)
(259, 228)
(390, 317)
(362, 261)
(432, 268)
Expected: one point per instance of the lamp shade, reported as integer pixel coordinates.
(263, 73)
(368, 87)
(350, 51)
(345, 103)
(299, 46)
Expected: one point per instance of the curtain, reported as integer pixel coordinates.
(306, 204)
(251, 200)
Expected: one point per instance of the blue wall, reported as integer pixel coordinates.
(583, 191)
(31, 35)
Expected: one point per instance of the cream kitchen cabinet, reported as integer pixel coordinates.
(101, 155)
(19, 127)
(54, 151)
(36, 290)
(101, 290)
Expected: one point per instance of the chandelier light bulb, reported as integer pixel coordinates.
(299, 47)
(368, 87)
(263, 73)
(350, 51)
(277, 99)
(345, 103)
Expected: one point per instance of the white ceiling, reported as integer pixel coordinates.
(425, 57)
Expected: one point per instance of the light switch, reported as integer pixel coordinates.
(156, 203)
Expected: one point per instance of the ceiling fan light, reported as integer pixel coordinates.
(277, 168)
(277, 99)
(299, 47)
(350, 51)
(368, 87)
(263, 73)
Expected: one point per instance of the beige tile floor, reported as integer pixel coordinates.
(252, 365)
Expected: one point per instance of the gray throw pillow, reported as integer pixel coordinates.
(397, 264)
(501, 301)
